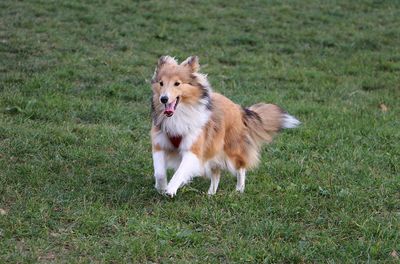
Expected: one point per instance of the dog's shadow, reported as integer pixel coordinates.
(138, 190)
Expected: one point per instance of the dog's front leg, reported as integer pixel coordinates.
(160, 170)
(190, 166)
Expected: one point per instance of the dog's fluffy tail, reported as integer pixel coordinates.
(266, 120)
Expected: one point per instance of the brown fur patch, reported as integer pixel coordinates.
(268, 123)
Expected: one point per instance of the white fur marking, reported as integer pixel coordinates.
(220, 161)
(241, 179)
(189, 167)
(186, 120)
(161, 139)
(189, 139)
(160, 170)
(173, 161)
(214, 176)
(290, 121)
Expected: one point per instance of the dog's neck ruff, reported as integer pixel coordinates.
(187, 119)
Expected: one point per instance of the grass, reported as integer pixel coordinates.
(76, 180)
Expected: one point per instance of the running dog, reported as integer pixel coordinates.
(199, 132)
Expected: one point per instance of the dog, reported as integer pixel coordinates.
(198, 132)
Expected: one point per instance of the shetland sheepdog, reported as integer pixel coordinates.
(198, 132)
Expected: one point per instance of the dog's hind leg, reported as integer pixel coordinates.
(241, 179)
(214, 176)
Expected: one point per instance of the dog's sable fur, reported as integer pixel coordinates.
(198, 132)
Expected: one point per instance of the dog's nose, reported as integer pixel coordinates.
(164, 99)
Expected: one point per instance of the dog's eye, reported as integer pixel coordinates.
(177, 83)
(161, 83)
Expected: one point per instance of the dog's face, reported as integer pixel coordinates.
(174, 84)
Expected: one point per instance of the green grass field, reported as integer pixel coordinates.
(76, 182)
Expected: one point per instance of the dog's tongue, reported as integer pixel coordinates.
(169, 109)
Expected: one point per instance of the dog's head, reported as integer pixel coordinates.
(174, 84)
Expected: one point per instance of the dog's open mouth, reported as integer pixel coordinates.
(170, 107)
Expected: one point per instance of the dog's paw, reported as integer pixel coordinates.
(240, 189)
(161, 190)
(211, 192)
(170, 191)
(161, 185)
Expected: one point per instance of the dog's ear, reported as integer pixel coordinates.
(166, 60)
(192, 62)
(163, 60)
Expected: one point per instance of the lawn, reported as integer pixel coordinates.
(76, 182)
